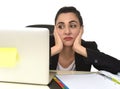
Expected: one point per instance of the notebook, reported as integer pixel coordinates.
(25, 55)
(85, 81)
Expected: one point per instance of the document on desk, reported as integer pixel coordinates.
(87, 81)
(113, 77)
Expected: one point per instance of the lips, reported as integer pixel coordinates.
(68, 38)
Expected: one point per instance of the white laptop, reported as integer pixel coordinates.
(31, 48)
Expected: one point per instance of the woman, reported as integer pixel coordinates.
(70, 52)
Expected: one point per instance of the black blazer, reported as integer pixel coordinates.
(98, 59)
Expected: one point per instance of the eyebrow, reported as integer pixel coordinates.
(60, 23)
(72, 21)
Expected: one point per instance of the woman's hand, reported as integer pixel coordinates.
(77, 47)
(57, 48)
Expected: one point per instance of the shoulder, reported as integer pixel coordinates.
(89, 44)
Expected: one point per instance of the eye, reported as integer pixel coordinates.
(73, 25)
(60, 26)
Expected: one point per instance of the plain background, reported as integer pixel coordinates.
(101, 18)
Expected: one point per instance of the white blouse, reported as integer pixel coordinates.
(70, 67)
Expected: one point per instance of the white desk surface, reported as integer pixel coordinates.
(21, 86)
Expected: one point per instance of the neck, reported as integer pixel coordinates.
(67, 53)
(66, 57)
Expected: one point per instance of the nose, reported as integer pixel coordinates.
(67, 31)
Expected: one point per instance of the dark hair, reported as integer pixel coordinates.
(70, 9)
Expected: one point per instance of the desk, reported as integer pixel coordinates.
(90, 80)
(21, 86)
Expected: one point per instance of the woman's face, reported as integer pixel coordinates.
(68, 27)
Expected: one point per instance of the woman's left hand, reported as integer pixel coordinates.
(77, 47)
(77, 41)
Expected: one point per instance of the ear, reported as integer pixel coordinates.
(81, 30)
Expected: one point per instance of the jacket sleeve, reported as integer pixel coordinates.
(102, 61)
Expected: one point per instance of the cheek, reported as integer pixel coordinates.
(76, 34)
(60, 34)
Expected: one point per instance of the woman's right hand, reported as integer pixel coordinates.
(57, 48)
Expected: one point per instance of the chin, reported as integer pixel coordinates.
(68, 44)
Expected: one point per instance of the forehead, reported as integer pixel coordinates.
(67, 17)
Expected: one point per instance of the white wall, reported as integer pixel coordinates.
(101, 18)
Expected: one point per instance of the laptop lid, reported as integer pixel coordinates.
(29, 58)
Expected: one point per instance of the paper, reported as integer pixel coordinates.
(87, 81)
(8, 57)
(112, 77)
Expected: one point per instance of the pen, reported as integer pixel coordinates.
(111, 78)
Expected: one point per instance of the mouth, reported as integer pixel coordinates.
(68, 38)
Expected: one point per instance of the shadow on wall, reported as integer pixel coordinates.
(50, 27)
